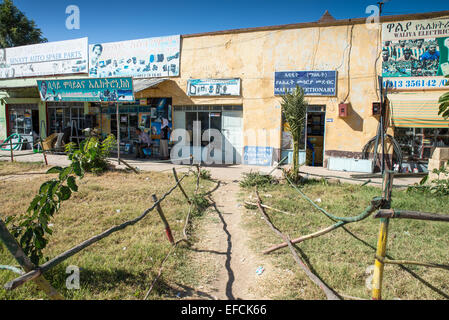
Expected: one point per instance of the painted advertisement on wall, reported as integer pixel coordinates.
(143, 58)
(213, 87)
(415, 53)
(50, 58)
(314, 83)
(87, 90)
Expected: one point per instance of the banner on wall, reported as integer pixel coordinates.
(144, 58)
(314, 83)
(43, 59)
(88, 90)
(213, 87)
(415, 54)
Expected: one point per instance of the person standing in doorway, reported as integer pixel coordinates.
(165, 130)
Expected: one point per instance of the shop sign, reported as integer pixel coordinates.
(44, 59)
(259, 156)
(314, 83)
(213, 87)
(90, 90)
(144, 58)
(415, 54)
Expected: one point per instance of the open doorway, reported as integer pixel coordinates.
(316, 118)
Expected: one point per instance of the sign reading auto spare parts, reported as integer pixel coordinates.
(415, 54)
(88, 90)
(50, 58)
(314, 83)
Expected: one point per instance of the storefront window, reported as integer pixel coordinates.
(23, 119)
(209, 120)
(419, 143)
(63, 115)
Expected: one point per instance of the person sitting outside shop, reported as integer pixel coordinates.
(144, 142)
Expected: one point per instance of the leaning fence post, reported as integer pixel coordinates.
(383, 236)
(15, 249)
(10, 148)
(167, 226)
(43, 152)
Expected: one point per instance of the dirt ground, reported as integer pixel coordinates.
(225, 242)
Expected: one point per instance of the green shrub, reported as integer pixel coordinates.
(252, 179)
(200, 204)
(92, 153)
(437, 187)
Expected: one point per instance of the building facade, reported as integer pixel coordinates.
(231, 81)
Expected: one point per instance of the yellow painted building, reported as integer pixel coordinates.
(350, 47)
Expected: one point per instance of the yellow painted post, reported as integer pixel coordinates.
(383, 237)
(378, 263)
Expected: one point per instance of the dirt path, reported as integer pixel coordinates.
(226, 241)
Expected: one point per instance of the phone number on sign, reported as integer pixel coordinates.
(418, 83)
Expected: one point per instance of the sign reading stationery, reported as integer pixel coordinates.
(50, 58)
(415, 54)
(314, 83)
(90, 90)
(213, 87)
(144, 58)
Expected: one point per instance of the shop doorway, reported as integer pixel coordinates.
(23, 119)
(311, 144)
(226, 119)
(316, 118)
(67, 116)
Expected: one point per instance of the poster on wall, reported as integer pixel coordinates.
(43, 59)
(259, 156)
(144, 58)
(415, 53)
(213, 87)
(90, 90)
(314, 83)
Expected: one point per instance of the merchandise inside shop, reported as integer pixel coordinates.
(149, 115)
(417, 144)
(23, 120)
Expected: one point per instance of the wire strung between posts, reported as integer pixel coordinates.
(330, 294)
(11, 268)
(330, 215)
(184, 230)
(58, 259)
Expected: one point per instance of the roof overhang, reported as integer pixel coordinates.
(143, 84)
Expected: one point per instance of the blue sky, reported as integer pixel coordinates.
(113, 20)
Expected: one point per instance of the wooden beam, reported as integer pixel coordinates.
(25, 262)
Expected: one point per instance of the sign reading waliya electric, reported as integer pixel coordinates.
(415, 53)
(50, 58)
(213, 87)
(144, 58)
(314, 83)
(90, 90)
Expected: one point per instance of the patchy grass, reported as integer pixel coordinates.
(123, 265)
(341, 257)
(8, 167)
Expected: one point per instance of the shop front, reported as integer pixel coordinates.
(226, 119)
(417, 127)
(147, 114)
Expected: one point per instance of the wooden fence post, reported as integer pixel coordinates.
(10, 148)
(164, 220)
(15, 249)
(43, 152)
(383, 237)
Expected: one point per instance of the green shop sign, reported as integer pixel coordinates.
(88, 90)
